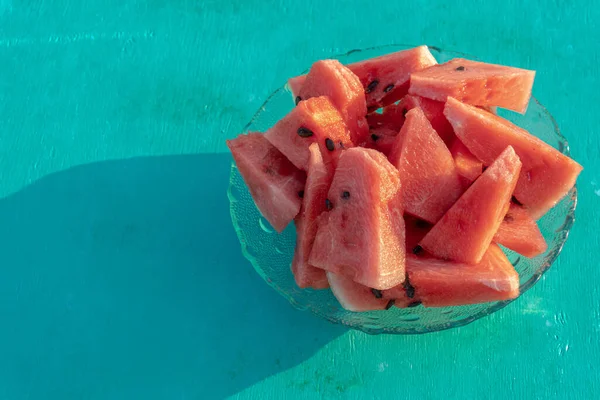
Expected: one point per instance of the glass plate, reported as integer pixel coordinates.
(271, 253)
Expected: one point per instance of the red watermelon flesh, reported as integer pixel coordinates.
(434, 111)
(465, 232)
(318, 180)
(354, 296)
(332, 79)
(382, 139)
(467, 165)
(430, 183)
(385, 79)
(416, 229)
(274, 182)
(315, 120)
(476, 83)
(362, 237)
(391, 117)
(439, 283)
(520, 233)
(547, 174)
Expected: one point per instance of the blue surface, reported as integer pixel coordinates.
(121, 275)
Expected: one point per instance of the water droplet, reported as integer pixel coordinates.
(278, 250)
(447, 311)
(264, 225)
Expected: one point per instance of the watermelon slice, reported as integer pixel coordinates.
(439, 283)
(430, 183)
(362, 237)
(520, 233)
(318, 180)
(385, 79)
(315, 120)
(467, 165)
(547, 174)
(381, 139)
(354, 296)
(466, 230)
(434, 111)
(274, 182)
(475, 83)
(332, 79)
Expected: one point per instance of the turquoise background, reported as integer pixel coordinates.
(120, 274)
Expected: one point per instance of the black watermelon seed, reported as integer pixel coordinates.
(404, 111)
(328, 204)
(417, 250)
(388, 88)
(342, 145)
(298, 99)
(329, 144)
(390, 304)
(517, 202)
(421, 224)
(414, 304)
(301, 194)
(509, 218)
(377, 293)
(371, 86)
(305, 132)
(345, 195)
(461, 68)
(484, 168)
(410, 290)
(374, 137)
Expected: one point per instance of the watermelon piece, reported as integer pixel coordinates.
(476, 83)
(430, 183)
(315, 120)
(547, 174)
(434, 111)
(382, 139)
(354, 296)
(332, 79)
(318, 180)
(385, 79)
(295, 85)
(467, 165)
(465, 232)
(362, 237)
(274, 182)
(520, 233)
(439, 283)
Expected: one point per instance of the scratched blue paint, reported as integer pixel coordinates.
(121, 276)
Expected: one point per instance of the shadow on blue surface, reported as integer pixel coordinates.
(125, 279)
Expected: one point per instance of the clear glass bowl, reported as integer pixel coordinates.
(271, 253)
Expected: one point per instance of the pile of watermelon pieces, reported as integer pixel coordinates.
(403, 181)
